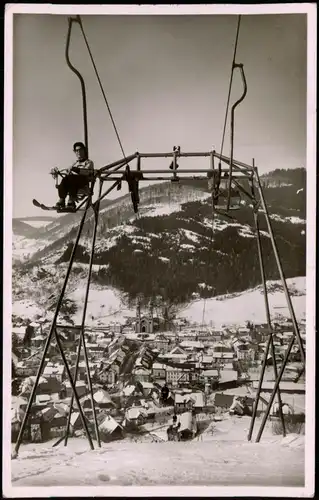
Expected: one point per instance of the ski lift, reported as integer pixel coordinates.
(132, 179)
(220, 192)
(174, 165)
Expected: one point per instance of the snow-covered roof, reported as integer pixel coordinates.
(207, 359)
(141, 371)
(176, 369)
(147, 385)
(186, 421)
(179, 350)
(228, 366)
(101, 396)
(228, 376)
(17, 401)
(210, 373)
(192, 343)
(182, 398)
(43, 398)
(183, 357)
(135, 412)
(79, 383)
(53, 370)
(223, 355)
(198, 398)
(159, 366)
(128, 390)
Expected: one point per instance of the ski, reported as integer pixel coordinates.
(56, 209)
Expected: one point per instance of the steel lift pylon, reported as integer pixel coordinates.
(114, 173)
(227, 183)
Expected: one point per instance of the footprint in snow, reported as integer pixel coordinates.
(104, 477)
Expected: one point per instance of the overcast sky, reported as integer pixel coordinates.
(166, 79)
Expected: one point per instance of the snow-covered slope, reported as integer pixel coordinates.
(174, 248)
(106, 304)
(236, 309)
(214, 459)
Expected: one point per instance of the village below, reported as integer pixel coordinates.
(212, 377)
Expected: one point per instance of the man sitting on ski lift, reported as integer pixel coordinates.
(77, 177)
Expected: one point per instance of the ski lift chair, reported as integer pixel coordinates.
(220, 193)
(82, 192)
(85, 191)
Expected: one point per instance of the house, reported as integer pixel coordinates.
(109, 429)
(80, 388)
(19, 332)
(147, 388)
(111, 375)
(116, 328)
(270, 359)
(94, 348)
(141, 374)
(82, 370)
(25, 369)
(55, 371)
(136, 415)
(177, 349)
(102, 399)
(223, 400)
(244, 352)
(228, 365)
(263, 333)
(217, 336)
(159, 371)
(192, 345)
(227, 379)
(210, 375)
(46, 387)
(188, 427)
(147, 357)
(41, 399)
(177, 376)
(221, 357)
(205, 361)
(243, 331)
(38, 341)
(161, 343)
(176, 354)
(223, 348)
(188, 401)
(183, 402)
(188, 336)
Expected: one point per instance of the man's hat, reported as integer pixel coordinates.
(78, 145)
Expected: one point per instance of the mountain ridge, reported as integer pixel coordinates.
(173, 249)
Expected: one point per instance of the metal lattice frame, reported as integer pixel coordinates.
(114, 172)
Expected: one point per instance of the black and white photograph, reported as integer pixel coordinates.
(159, 250)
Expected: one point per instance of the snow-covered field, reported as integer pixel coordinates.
(23, 248)
(106, 305)
(222, 458)
(38, 223)
(236, 309)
